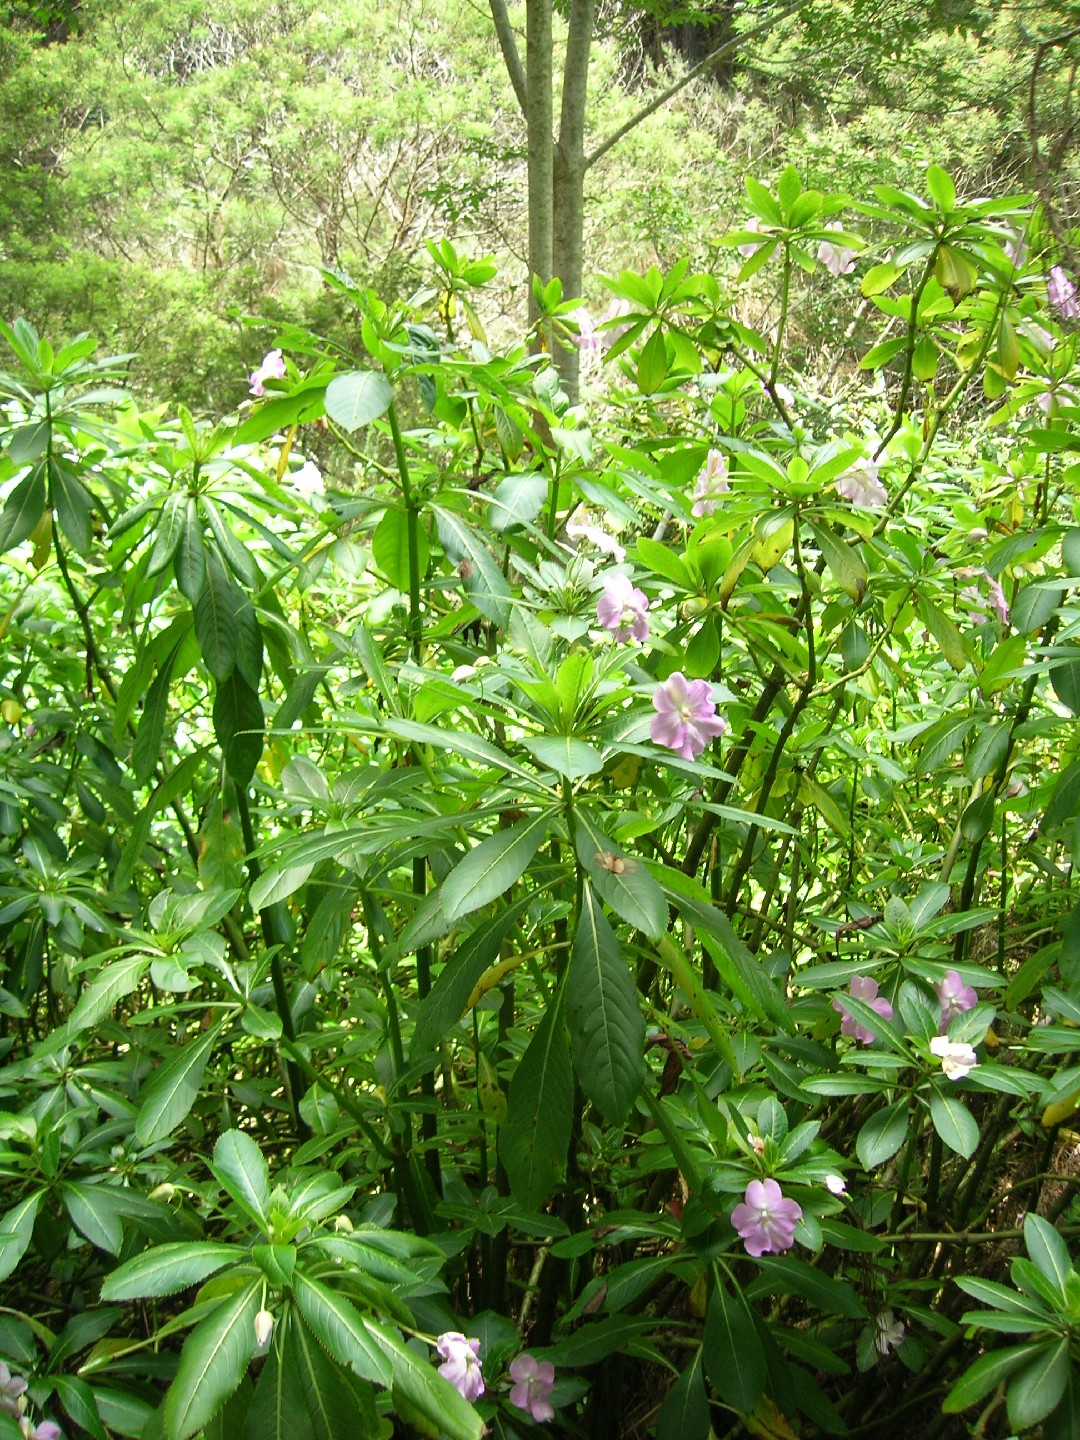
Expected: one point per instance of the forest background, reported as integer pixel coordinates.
(463, 851)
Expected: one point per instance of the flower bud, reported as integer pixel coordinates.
(264, 1327)
(343, 1224)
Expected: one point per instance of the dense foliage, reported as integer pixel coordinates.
(584, 888)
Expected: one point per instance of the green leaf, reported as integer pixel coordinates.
(106, 990)
(358, 397)
(1036, 1389)
(985, 1375)
(844, 561)
(620, 881)
(445, 1002)
(534, 1138)
(338, 1326)
(23, 509)
(73, 504)
(518, 499)
(213, 1361)
(92, 1209)
(189, 564)
(16, 1232)
(731, 1346)
(684, 1415)
(302, 1393)
(238, 725)
(77, 1398)
(491, 867)
(941, 741)
(1065, 678)
(1048, 1251)
(146, 749)
(944, 632)
(665, 562)
(882, 1135)
(168, 1269)
(942, 190)
(607, 1031)
(484, 582)
(238, 558)
(565, 755)
(241, 1168)
(169, 1096)
(170, 527)
(652, 366)
(215, 618)
(390, 547)
(955, 1123)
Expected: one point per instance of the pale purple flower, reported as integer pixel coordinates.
(608, 331)
(712, 482)
(974, 596)
(860, 485)
(1061, 292)
(955, 997)
(749, 249)
(621, 609)
(888, 1332)
(836, 1184)
(272, 368)
(1016, 251)
(686, 718)
(11, 1387)
(586, 337)
(765, 1220)
(997, 599)
(957, 1059)
(45, 1430)
(462, 1367)
(837, 259)
(533, 1381)
(864, 988)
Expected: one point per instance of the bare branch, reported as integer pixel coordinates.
(720, 53)
(508, 45)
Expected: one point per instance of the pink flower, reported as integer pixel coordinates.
(1061, 292)
(712, 482)
(836, 1184)
(686, 718)
(861, 486)
(621, 609)
(1016, 251)
(606, 327)
(532, 1385)
(272, 368)
(864, 988)
(955, 997)
(753, 224)
(462, 1367)
(47, 1430)
(837, 259)
(997, 600)
(11, 1387)
(765, 1220)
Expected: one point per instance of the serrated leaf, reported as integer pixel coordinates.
(493, 866)
(607, 1031)
(23, 509)
(985, 1375)
(213, 1361)
(168, 1097)
(484, 582)
(1036, 1388)
(518, 499)
(238, 725)
(241, 1168)
(351, 1339)
(168, 1269)
(16, 1232)
(882, 1135)
(1047, 1250)
(215, 618)
(189, 561)
(732, 1351)
(445, 1003)
(684, 1415)
(533, 1142)
(622, 882)
(955, 1123)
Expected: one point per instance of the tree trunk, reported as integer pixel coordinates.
(568, 197)
(541, 146)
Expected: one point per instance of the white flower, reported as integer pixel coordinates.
(860, 485)
(606, 543)
(957, 1059)
(836, 1184)
(264, 1328)
(307, 482)
(888, 1332)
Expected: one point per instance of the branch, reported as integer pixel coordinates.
(720, 53)
(508, 45)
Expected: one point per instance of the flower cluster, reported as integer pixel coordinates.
(621, 609)
(864, 988)
(686, 718)
(12, 1390)
(712, 482)
(532, 1380)
(1061, 292)
(766, 1220)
